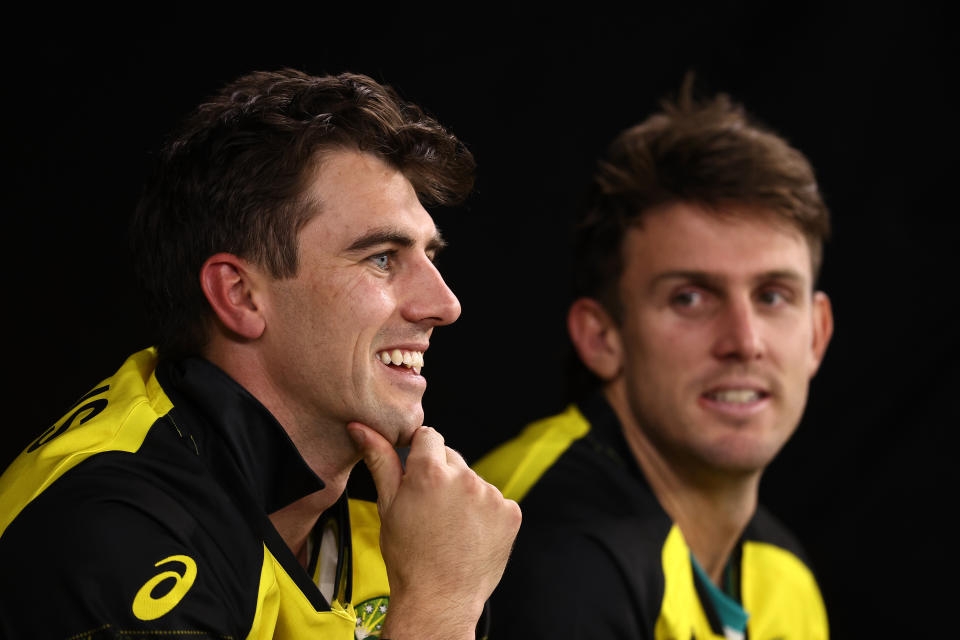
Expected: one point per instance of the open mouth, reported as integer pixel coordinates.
(412, 360)
(736, 396)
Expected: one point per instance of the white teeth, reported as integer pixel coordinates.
(410, 359)
(740, 396)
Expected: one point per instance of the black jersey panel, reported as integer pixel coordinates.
(106, 530)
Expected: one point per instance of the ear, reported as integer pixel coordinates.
(822, 318)
(596, 338)
(229, 283)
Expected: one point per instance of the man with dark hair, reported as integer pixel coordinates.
(287, 260)
(697, 316)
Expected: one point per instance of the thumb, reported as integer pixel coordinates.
(381, 459)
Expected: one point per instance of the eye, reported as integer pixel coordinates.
(382, 261)
(687, 298)
(772, 297)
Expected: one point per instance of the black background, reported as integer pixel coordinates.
(537, 96)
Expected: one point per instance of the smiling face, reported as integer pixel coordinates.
(366, 288)
(719, 336)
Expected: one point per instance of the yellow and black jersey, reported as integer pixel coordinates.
(598, 557)
(142, 513)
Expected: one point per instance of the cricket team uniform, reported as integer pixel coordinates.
(142, 513)
(597, 557)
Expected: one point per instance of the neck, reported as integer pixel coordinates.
(711, 507)
(325, 446)
(323, 442)
(295, 521)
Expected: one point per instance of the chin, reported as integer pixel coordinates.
(743, 457)
(399, 425)
(404, 438)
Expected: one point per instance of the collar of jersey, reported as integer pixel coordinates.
(606, 433)
(216, 408)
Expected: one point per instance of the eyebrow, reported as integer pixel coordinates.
(705, 277)
(389, 235)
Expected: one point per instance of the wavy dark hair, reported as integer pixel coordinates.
(233, 178)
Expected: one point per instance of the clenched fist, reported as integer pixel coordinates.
(445, 535)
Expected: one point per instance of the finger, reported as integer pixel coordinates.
(381, 459)
(454, 458)
(426, 445)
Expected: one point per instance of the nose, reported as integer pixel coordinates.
(429, 299)
(739, 336)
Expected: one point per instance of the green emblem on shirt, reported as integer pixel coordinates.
(370, 616)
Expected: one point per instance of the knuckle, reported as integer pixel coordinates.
(429, 432)
(467, 480)
(433, 470)
(453, 453)
(494, 489)
(516, 514)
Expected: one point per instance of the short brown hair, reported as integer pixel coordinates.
(702, 152)
(233, 179)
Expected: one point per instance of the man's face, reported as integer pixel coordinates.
(720, 335)
(366, 286)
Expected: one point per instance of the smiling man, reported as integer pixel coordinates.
(288, 262)
(698, 320)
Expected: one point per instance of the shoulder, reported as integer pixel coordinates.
(515, 466)
(114, 509)
(777, 584)
(571, 581)
(590, 551)
(124, 550)
(766, 528)
(116, 415)
(115, 452)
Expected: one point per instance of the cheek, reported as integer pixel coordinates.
(661, 352)
(349, 309)
(674, 343)
(793, 346)
(362, 299)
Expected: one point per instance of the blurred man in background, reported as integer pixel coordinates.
(698, 318)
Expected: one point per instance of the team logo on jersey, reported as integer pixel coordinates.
(90, 411)
(370, 616)
(150, 606)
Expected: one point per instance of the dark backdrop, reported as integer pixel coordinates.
(862, 91)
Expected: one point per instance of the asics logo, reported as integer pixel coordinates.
(150, 606)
